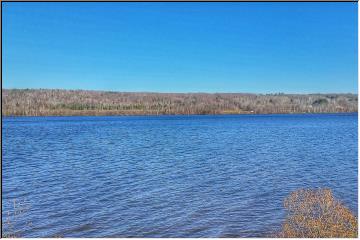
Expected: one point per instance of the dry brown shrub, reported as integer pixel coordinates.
(317, 214)
(10, 230)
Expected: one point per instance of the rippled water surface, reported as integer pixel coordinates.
(171, 176)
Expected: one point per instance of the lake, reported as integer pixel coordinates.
(171, 176)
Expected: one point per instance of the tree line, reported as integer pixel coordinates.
(56, 102)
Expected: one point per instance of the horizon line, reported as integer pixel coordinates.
(189, 92)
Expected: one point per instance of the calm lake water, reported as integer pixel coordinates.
(171, 176)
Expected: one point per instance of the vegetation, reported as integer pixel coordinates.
(42, 102)
(317, 214)
(11, 228)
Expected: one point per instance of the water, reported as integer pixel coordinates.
(171, 176)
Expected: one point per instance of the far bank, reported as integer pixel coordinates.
(54, 102)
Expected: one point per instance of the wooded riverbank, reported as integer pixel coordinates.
(54, 102)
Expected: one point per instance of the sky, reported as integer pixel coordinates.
(181, 47)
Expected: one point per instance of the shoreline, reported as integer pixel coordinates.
(175, 115)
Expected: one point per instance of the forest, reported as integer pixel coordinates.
(56, 102)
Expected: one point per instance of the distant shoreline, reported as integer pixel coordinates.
(54, 102)
(176, 115)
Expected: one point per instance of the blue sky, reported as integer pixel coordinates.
(181, 47)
